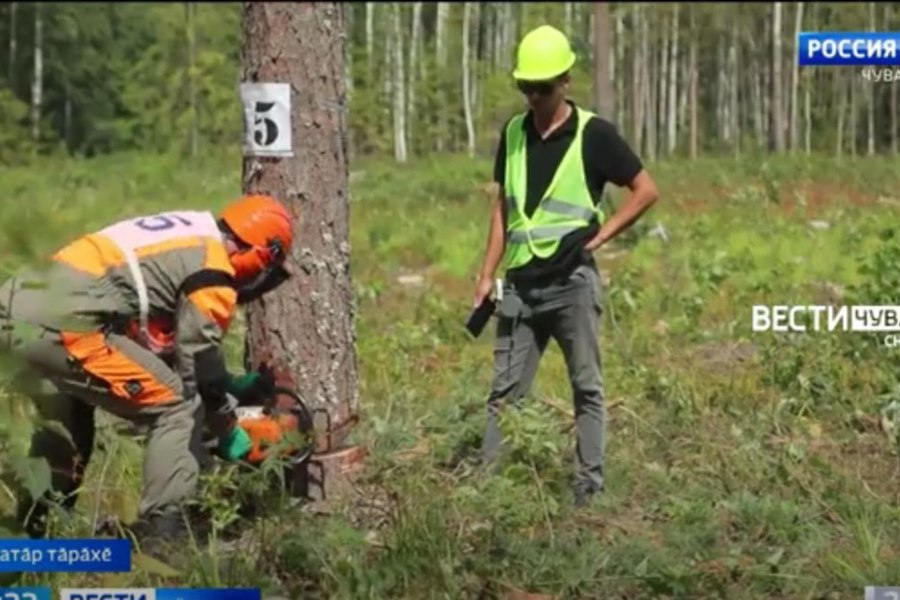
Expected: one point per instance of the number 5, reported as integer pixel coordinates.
(265, 130)
(160, 222)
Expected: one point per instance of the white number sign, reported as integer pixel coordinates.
(267, 119)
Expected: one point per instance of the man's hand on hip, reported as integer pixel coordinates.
(482, 290)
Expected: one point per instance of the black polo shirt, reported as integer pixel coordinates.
(607, 157)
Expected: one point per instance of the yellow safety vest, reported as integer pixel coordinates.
(566, 205)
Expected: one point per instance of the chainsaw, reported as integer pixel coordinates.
(281, 423)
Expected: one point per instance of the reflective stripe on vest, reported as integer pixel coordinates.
(566, 206)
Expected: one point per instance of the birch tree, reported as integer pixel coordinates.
(798, 27)
(672, 118)
(777, 102)
(443, 11)
(467, 79)
(37, 80)
(398, 88)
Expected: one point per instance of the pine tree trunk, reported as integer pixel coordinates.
(37, 84)
(398, 88)
(567, 19)
(189, 8)
(467, 81)
(305, 329)
(604, 92)
(672, 118)
(777, 101)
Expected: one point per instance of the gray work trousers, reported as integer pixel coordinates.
(569, 312)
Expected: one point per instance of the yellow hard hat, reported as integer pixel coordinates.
(544, 53)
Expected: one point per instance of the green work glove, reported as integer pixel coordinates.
(235, 444)
(254, 386)
(241, 385)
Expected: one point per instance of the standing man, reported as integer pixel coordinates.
(551, 166)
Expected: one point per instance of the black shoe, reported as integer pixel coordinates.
(154, 533)
(584, 495)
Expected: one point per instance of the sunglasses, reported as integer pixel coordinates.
(541, 88)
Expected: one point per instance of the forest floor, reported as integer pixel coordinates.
(740, 464)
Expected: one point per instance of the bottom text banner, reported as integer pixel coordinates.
(65, 556)
(160, 594)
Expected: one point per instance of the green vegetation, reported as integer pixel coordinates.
(740, 464)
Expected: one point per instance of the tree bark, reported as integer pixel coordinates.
(305, 329)
(777, 101)
(604, 93)
(37, 83)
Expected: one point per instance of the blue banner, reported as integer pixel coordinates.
(208, 594)
(26, 593)
(65, 556)
(848, 48)
(159, 594)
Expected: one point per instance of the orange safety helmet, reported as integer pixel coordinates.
(262, 226)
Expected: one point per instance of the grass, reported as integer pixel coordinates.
(740, 464)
